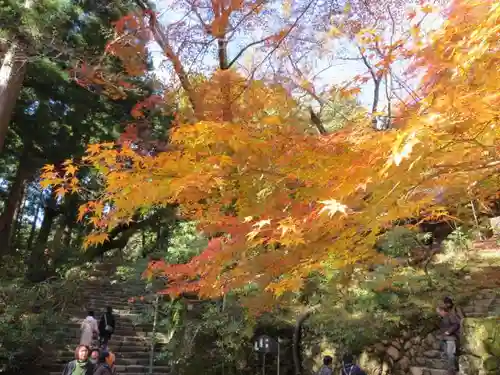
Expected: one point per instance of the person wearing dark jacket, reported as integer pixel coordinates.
(326, 369)
(449, 329)
(454, 309)
(81, 364)
(103, 367)
(106, 327)
(349, 368)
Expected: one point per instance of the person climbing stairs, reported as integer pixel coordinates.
(130, 342)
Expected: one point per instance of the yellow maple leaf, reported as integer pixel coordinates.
(334, 32)
(287, 225)
(287, 8)
(258, 226)
(95, 239)
(332, 206)
(98, 209)
(272, 120)
(262, 223)
(427, 9)
(45, 182)
(61, 191)
(48, 168)
(94, 149)
(70, 170)
(406, 150)
(82, 210)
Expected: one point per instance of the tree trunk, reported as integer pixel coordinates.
(24, 172)
(62, 238)
(38, 267)
(297, 337)
(56, 242)
(19, 218)
(50, 212)
(33, 227)
(68, 231)
(12, 74)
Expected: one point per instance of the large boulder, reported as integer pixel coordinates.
(481, 345)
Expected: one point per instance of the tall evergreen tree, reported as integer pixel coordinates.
(59, 30)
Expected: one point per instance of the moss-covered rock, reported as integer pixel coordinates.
(481, 339)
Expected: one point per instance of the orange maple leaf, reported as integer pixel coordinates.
(94, 149)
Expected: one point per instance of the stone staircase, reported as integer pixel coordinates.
(131, 342)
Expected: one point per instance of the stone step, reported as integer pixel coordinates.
(114, 296)
(139, 339)
(119, 368)
(82, 314)
(114, 347)
(139, 336)
(121, 319)
(109, 290)
(99, 309)
(128, 361)
(123, 314)
(434, 363)
(127, 324)
(122, 328)
(117, 341)
(415, 370)
(120, 332)
(110, 300)
(101, 306)
(66, 356)
(104, 301)
(128, 373)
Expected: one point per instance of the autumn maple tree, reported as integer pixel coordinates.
(278, 202)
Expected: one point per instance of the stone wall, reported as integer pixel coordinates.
(406, 355)
(419, 354)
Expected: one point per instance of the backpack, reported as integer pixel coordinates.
(107, 327)
(352, 369)
(344, 371)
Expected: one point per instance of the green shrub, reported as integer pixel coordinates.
(457, 247)
(32, 319)
(399, 242)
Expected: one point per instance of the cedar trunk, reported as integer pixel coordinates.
(12, 74)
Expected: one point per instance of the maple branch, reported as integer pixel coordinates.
(376, 80)
(317, 122)
(162, 40)
(119, 236)
(297, 335)
(280, 42)
(243, 19)
(242, 51)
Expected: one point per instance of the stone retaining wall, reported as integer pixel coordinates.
(422, 356)
(412, 354)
